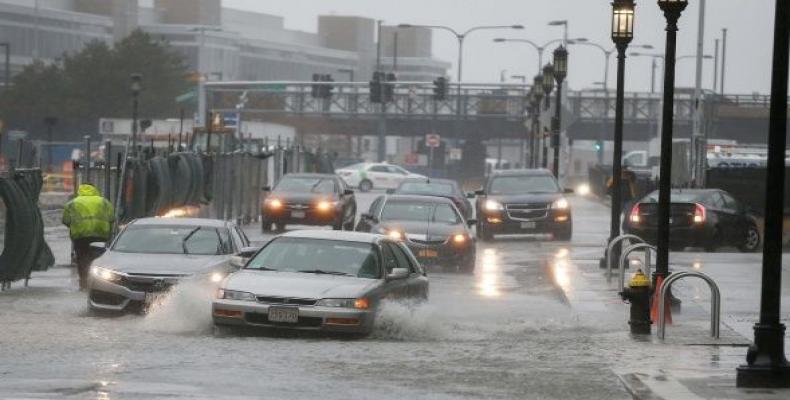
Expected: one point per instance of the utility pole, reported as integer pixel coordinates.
(382, 119)
(723, 60)
(698, 144)
(716, 65)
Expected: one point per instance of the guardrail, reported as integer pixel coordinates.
(715, 306)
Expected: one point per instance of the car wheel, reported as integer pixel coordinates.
(564, 234)
(279, 226)
(468, 267)
(222, 330)
(365, 186)
(484, 233)
(752, 240)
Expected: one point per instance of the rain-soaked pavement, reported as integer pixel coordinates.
(527, 325)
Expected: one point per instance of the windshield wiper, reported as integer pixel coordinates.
(263, 269)
(187, 237)
(322, 272)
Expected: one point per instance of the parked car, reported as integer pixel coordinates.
(320, 281)
(309, 199)
(151, 255)
(369, 176)
(707, 218)
(436, 187)
(432, 227)
(523, 202)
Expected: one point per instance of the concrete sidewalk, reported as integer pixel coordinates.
(688, 364)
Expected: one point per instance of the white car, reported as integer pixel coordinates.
(367, 176)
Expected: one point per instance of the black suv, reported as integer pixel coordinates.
(309, 199)
(523, 202)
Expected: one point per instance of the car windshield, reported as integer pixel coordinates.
(197, 240)
(306, 185)
(437, 189)
(524, 184)
(677, 197)
(318, 256)
(419, 211)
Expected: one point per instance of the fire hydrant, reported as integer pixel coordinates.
(638, 295)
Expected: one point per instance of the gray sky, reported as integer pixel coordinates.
(750, 24)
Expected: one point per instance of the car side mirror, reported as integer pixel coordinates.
(471, 222)
(248, 252)
(470, 195)
(390, 191)
(398, 273)
(480, 192)
(569, 191)
(348, 192)
(266, 188)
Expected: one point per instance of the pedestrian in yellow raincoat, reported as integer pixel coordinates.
(89, 217)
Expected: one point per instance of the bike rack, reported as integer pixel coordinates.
(609, 248)
(624, 258)
(715, 305)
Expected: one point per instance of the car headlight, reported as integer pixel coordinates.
(560, 204)
(325, 206)
(235, 295)
(459, 238)
(395, 235)
(359, 304)
(274, 204)
(106, 274)
(493, 205)
(216, 277)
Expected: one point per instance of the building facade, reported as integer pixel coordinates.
(220, 43)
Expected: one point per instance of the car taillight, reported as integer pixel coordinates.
(699, 213)
(634, 216)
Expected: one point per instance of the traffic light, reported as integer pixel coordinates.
(315, 90)
(326, 90)
(440, 89)
(389, 87)
(375, 87)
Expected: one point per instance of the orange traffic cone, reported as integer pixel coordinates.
(654, 305)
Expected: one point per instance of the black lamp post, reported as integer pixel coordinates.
(537, 98)
(50, 123)
(622, 35)
(560, 72)
(672, 10)
(136, 87)
(548, 86)
(767, 365)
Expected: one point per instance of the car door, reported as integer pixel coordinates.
(739, 220)
(365, 224)
(417, 282)
(395, 289)
(380, 176)
(397, 175)
(726, 216)
(348, 200)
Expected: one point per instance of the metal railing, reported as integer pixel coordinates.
(624, 258)
(715, 306)
(610, 247)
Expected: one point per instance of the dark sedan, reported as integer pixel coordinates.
(309, 199)
(436, 187)
(432, 227)
(707, 218)
(523, 202)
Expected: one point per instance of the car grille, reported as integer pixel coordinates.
(527, 211)
(286, 300)
(298, 207)
(429, 241)
(263, 319)
(148, 283)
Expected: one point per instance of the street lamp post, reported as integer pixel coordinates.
(50, 122)
(548, 86)
(560, 73)
(136, 87)
(622, 35)
(767, 365)
(537, 98)
(672, 10)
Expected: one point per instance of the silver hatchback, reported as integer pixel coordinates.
(320, 281)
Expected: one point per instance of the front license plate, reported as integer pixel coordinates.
(298, 214)
(528, 225)
(428, 253)
(284, 314)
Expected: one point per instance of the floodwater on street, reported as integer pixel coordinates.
(506, 332)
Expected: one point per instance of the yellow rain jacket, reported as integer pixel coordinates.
(89, 215)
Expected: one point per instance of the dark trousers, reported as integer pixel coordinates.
(83, 256)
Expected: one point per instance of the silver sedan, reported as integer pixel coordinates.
(320, 281)
(151, 255)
